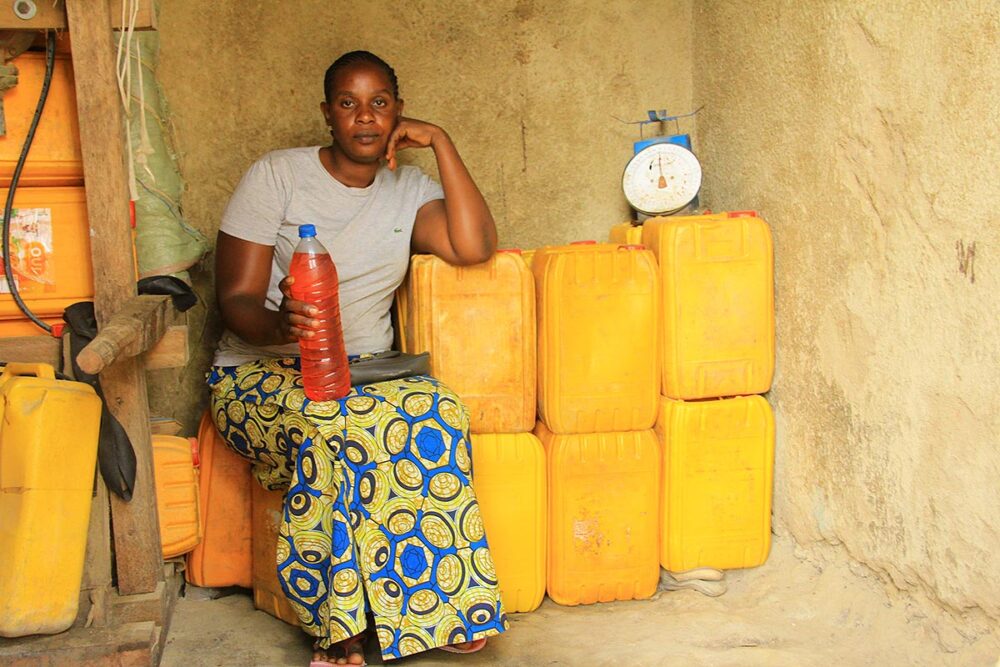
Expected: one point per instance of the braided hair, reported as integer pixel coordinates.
(357, 58)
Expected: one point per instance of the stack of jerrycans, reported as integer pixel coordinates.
(50, 236)
(598, 380)
(478, 323)
(717, 352)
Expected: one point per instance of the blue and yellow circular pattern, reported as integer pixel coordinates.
(379, 504)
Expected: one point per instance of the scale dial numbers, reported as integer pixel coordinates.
(661, 178)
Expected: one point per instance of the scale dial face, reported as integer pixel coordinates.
(661, 178)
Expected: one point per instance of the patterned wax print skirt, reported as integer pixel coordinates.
(379, 505)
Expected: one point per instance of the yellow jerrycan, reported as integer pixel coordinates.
(508, 475)
(598, 307)
(478, 323)
(603, 515)
(625, 232)
(717, 285)
(718, 472)
(48, 457)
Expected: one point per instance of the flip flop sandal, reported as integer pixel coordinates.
(474, 646)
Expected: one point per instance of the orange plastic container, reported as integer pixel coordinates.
(55, 157)
(598, 308)
(176, 481)
(717, 286)
(224, 557)
(626, 232)
(48, 456)
(508, 476)
(603, 515)
(400, 304)
(478, 323)
(718, 467)
(52, 264)
(267, 593)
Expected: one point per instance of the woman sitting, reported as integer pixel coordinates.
(380, 515)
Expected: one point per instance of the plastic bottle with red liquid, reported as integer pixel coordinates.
(325, 374)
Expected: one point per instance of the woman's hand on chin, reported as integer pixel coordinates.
(412, 133)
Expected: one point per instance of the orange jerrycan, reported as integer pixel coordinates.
(400, 305)
(597, 337)
(717, 286)
(603, 515)
(48, 457)
(50, 257)
(267, 507)
(223, 557)
(718, 467)
(508, 476)
(478, 323)
(176, 481)
(55, 157)
(626, 232)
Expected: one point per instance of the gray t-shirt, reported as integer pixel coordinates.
(366, 230)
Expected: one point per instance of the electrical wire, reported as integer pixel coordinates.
(8, 268)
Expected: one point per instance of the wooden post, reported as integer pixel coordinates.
(136, 531)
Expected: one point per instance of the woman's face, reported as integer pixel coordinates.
(362, 112)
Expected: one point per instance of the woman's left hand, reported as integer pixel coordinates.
(411, 133)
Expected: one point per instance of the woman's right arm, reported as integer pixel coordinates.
(242, 276)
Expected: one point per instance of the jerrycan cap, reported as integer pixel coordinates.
(307, 231)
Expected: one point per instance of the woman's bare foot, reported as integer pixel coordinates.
(350, 651)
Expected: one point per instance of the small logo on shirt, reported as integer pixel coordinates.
(397, 230)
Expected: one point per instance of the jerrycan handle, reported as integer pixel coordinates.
(43, 371)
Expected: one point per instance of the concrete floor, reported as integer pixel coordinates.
(798, 609)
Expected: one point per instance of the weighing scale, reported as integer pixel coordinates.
(663, 176)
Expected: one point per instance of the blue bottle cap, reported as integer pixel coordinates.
(307, 231)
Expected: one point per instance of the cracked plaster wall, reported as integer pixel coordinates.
(526, 89)
(866, 133)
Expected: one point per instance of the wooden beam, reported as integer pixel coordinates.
(135, 523)
(121, 645)
(134, 329)
(31, 349)
(170, 352)
(50, 15)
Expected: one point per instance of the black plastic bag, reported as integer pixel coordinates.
(115, 456)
